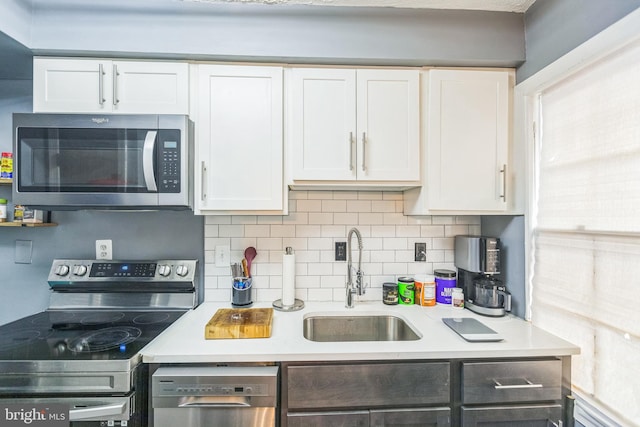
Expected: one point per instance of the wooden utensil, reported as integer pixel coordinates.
(245, 268)
(249, 254)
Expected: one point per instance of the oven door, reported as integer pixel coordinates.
(72, 161)
(78, 410)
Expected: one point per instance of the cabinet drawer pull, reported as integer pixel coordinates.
(503, 172)
(351, 141)
(100, 84)
(203, 180)
(115, 85)
(529, 384)
(364, 151)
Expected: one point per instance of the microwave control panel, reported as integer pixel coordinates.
(169, 153)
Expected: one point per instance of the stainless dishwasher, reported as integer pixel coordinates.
(229, 396)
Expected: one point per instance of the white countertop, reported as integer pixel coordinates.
(184, 342)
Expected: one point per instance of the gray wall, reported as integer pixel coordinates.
(336, 35)
(555, 27)
(510, 230)
(135, 235)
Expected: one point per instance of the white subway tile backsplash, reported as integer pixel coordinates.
(334, 206)
(361, 206)
(309, 205)
(318, 219)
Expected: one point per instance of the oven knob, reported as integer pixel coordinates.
(79, 270)
(182, 270)
(62, 270)
(164, 270)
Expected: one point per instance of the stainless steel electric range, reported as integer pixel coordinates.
(84, 350)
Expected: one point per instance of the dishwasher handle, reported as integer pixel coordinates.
(215, 402)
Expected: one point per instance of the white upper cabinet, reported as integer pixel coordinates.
(466, 163)
(239, 140)
(65, 85)
(350, 125)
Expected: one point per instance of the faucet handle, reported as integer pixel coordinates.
(361, 286)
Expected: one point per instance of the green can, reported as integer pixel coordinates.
(406, 290)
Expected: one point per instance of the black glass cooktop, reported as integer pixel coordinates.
(82, 335)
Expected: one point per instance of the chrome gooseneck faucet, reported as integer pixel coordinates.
(358, 287)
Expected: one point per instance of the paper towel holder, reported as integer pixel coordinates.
(297, 303)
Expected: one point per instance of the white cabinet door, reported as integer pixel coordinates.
(66, 85)
(239, 145)
(323, 124)
(355, 125)
(71, 85)
(467, 143)
(145, 87)
(388, 125)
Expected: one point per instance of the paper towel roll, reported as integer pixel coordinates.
(288, 277)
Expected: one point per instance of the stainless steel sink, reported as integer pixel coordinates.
(334, 328)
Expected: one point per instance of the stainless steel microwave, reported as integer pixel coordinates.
(80, 161)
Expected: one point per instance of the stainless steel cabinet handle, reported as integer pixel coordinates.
(350, 151)
(364, 151)
(529, 384)
(115, 85)
(105, 411)
(503, 172)
(101, 84)
(148, 151)
(203, 181)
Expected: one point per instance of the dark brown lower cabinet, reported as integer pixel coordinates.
(414, 417)
(498, 392)
(376, 394)
(513, 416)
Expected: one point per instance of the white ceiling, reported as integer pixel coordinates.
(519, 6)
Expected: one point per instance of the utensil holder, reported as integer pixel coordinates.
(241, 292)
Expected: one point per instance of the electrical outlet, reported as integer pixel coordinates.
(104, 249)
(341, 251)
(421, 252)
(223, 256)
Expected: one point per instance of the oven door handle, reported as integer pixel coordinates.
(102, 411)
(214, 402)
(147, 160)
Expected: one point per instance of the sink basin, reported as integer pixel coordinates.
(334, 328)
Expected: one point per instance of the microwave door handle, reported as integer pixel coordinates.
(147, 160)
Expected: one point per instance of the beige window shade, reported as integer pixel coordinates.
(586, 264)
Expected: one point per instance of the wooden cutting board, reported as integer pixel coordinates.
(240, 323)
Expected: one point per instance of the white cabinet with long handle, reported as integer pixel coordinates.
(71, 85)
(466, 164)
(351, 126)
(239, 140)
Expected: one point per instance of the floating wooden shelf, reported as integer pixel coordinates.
(28, 224)
(6, 181)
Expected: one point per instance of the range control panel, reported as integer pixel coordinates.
(68, 271)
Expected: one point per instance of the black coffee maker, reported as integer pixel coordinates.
(478, 261)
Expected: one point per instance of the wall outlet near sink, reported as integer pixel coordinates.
(420, 252)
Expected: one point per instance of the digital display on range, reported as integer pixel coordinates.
(119, 269)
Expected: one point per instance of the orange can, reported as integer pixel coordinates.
(427, 294)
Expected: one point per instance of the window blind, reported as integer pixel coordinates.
(585, 283)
